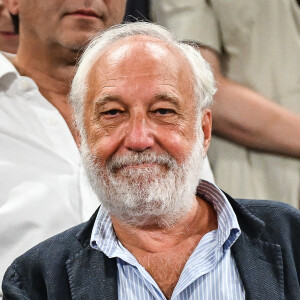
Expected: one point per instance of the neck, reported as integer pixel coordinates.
(163, 252)
(52, 70)
(48, 65)
(154, 239)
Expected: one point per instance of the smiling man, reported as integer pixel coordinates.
(142, 106)
(43, 188)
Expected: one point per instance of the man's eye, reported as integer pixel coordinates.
(164, 111)
(112, 112)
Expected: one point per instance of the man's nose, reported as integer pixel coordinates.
(139, 135)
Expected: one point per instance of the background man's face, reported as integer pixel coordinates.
(140, 98)
(8, 39)
(68, 23)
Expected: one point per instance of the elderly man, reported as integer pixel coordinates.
(43, 188)
(142, 104)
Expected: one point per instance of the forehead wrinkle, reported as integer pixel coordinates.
(97, 71)
(122, 54)
(171, 74)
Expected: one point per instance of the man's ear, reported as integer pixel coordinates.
(12, 6)
(206, 127)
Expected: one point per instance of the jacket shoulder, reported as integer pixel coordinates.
(46, 262)
(268, 210)
(60, 246)
(280, 222)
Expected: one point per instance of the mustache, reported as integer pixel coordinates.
(145, 157)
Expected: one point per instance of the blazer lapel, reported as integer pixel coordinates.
(92, 275)
(260, 263)
(260, 267)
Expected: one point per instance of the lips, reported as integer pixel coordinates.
(141, 165)
(7, 33)
(85, 13)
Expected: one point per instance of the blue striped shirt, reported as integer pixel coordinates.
(210, 272)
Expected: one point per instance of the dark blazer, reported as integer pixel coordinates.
(65, 267)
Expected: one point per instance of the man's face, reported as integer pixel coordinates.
(67, 23)
(8, 39)
(140, 124)
(140, 97)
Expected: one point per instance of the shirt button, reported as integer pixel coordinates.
(25, 86)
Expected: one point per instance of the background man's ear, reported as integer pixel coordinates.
(12, 6)
(206, 127)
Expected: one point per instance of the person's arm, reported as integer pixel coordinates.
(249, 119)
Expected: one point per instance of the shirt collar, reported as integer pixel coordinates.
(6, 66)
(228, 226)
(103, 236)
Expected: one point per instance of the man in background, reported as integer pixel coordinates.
(43, 186)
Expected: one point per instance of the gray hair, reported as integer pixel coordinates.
(204, 84)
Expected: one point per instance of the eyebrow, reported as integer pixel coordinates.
(103, 99)
(168, 97)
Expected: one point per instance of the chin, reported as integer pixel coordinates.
(149, 219)
(9, 46)
(75, 46)
(75, 41)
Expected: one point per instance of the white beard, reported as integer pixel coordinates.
(159, 194)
